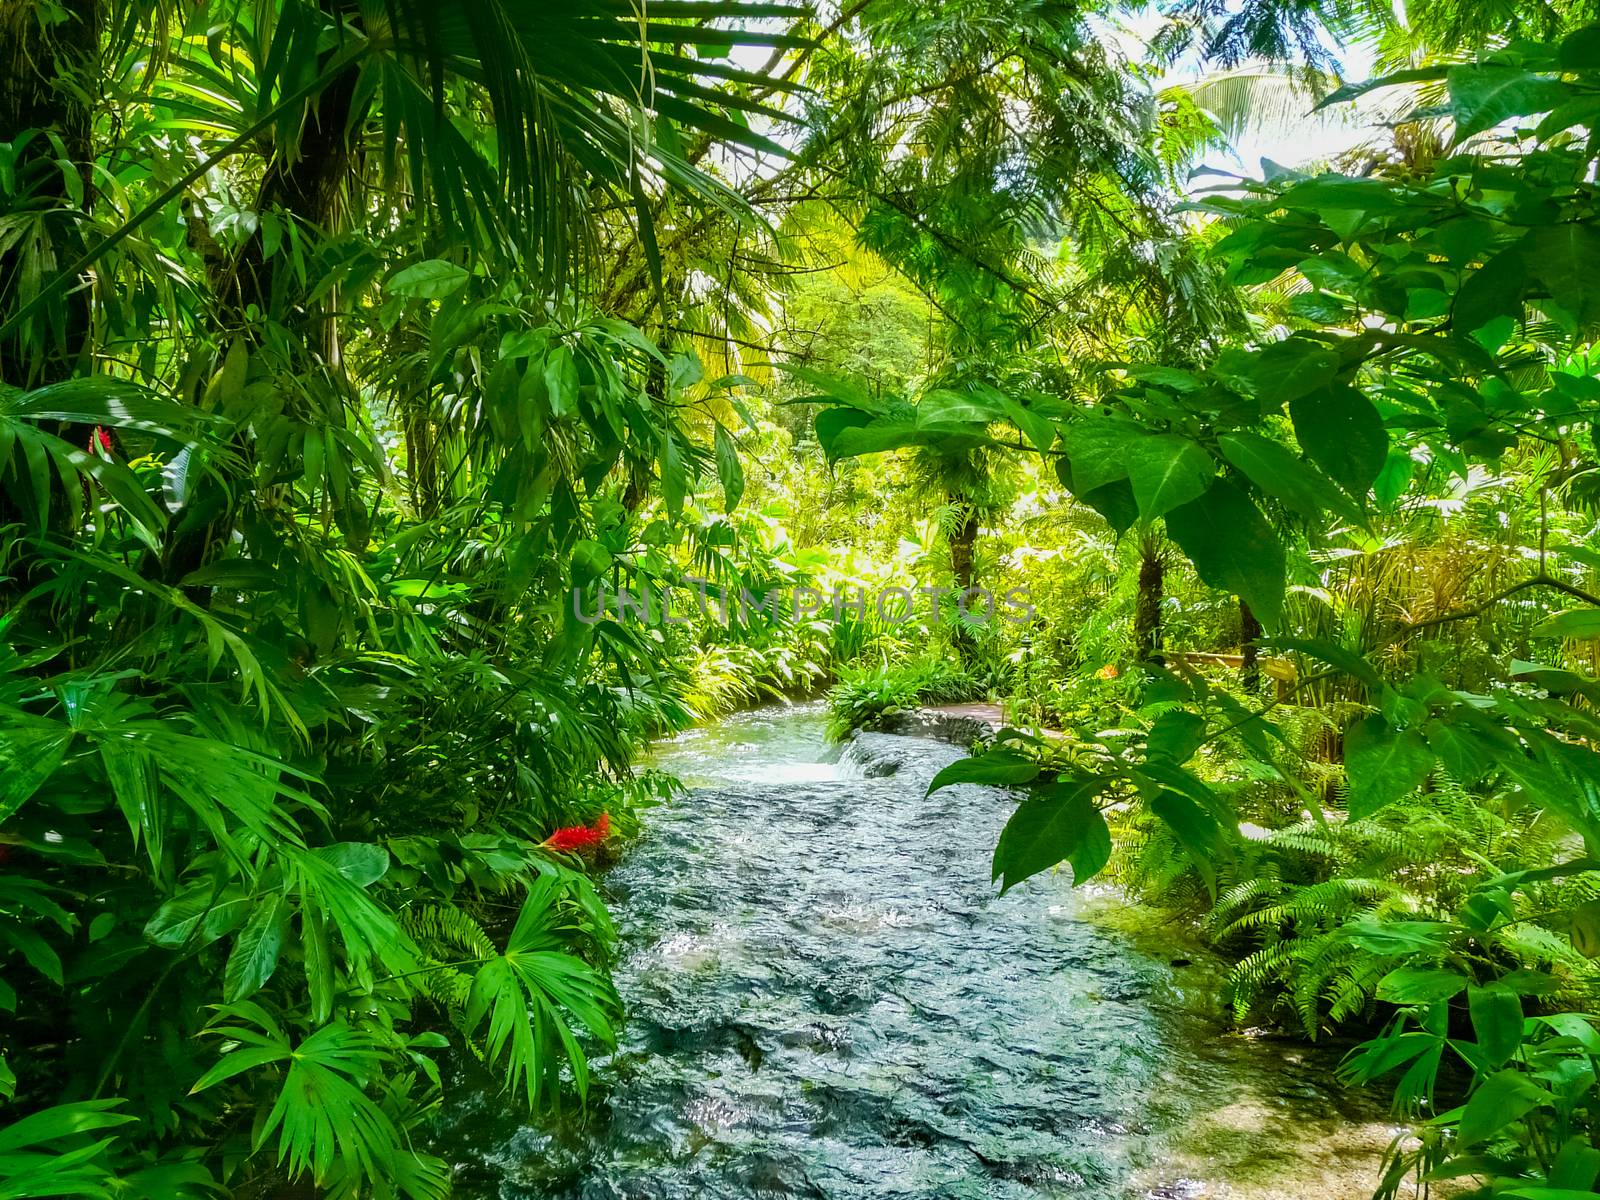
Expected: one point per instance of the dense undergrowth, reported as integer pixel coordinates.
(377, 380)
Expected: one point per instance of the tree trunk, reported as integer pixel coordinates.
(308, 187)
(963, 550)
(1249, 635)
(305, 184)
(1147, 610)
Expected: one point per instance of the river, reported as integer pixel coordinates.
(826, 998)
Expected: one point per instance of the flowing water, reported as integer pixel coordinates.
(826, 998)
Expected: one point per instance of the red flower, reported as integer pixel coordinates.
(576, 837)
(100, 440)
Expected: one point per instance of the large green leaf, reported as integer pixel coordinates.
(198, 915)
(1482, 96)
(1287, 370)
(113, 403)
(1342, 433)
(1282, 474)
(1166, 471)
(1196, 830)
(1059, 823)
(1496, 1013)
(30, 751)
(1493, 291)
(1175, 736)
(832, 423)
(1573, 623)
(1335, 655)
(1383, 764)
(1097, 447)
(590, 561)
(1566, 258)
(995, 768)
(1504, 1097)
(1420, 985)
(430, 279)
(255, 951)
(1233, 548)
(362, 863)
(729, 471)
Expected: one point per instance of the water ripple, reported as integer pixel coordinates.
(826, 998)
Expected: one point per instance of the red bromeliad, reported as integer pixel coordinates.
(576, 837)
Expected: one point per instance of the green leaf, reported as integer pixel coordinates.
(1059, 823)
(131, 771)
(1576, 1165)
(1039, 430)
(1233, 548)
(997, 768)
(674, 475)
(116, 404)
(256, 949)
(1496, 1013)
(1176, 735)
(729, 471)
(1573, 623)
(35, 951)
(1166, 471)
(1504, 1097)
(590, 561)
(1097, 447)
(1420, 985)
(1113, 501)
(561, 381)
(1493, 291)
(1197, 831)
(317, 955)
(1287, 370)
(832, 423)
(1281, 473)
(1343, 434)
(198, 916)
(362, 863)
(1585, 929)
(1463, 749)
(1334, 655)
(1395, 937)
(30, 751)
(1392, 481)
(235, 575)
(427, 280)
(1482, 96)
(1566, 258)
(61, 1121)
(237, 1062)
(1383, 764)
(1351, 91)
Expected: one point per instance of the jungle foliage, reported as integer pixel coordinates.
(376, 377)
(1434, 342)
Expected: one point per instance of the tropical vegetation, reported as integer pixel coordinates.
(409, 410)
